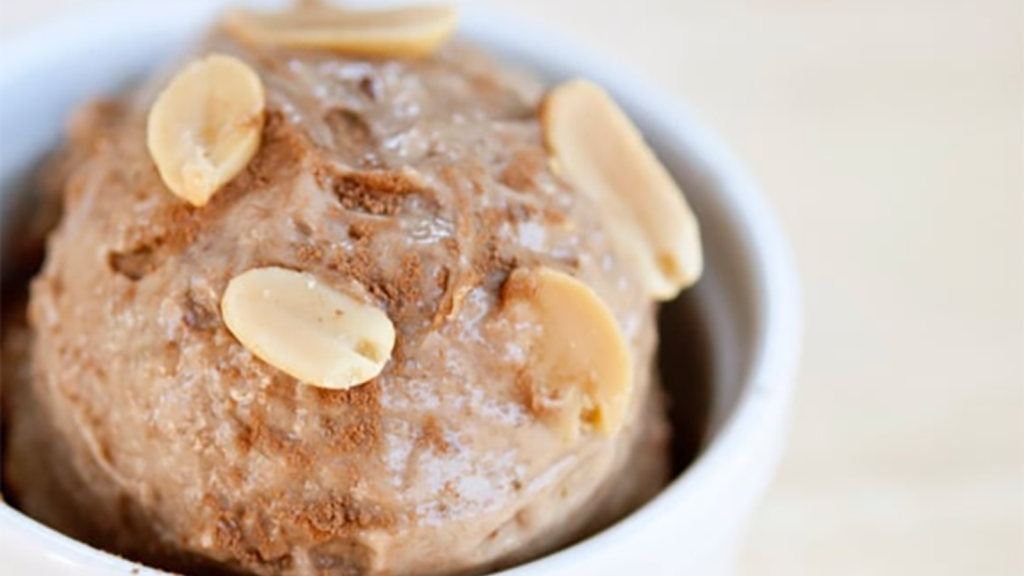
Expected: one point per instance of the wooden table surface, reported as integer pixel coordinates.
(890, 136)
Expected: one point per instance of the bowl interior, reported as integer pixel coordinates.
(711, 335)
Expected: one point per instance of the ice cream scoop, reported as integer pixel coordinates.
(314, 310)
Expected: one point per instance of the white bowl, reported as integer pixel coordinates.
(749, 294)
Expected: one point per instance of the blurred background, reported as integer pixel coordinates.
(889, 134)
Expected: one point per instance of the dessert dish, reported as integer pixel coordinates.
(337, 294)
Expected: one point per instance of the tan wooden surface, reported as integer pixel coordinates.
(890, 136)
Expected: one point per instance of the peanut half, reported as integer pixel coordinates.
(316, 334)
(205, 126)
(389, 32)
(580, 357)
(604, 155)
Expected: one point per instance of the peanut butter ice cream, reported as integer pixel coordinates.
(337, 295)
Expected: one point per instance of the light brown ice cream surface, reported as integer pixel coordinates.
(417, 185)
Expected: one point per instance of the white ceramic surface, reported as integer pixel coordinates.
(695, 526)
